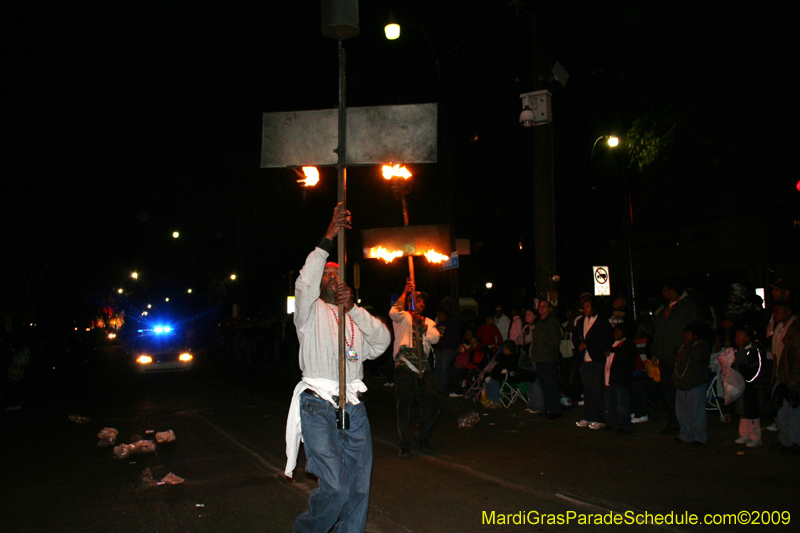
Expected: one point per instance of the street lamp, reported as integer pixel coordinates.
(611, 140)
(135, 275)
(392, 28)
(175, 234)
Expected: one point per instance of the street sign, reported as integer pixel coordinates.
(450, 263)
(602, 281)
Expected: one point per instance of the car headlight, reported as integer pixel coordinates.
(185, 357)
(144, 359)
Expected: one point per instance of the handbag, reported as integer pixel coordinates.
(652, 369)
(732, 380)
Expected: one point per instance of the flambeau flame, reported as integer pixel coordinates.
(380, 252)
(390, 172)
(312, 177)
(435, 257)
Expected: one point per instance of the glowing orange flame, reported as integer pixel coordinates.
(390, 172)
(435, 257)
(380, 252)
(312, 177)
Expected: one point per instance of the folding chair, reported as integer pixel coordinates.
(713, 397)
(511, 391)
(476, 389)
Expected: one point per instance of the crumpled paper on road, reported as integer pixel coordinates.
(172, 479)
(107, 437)
(165, 436)
(124, 450)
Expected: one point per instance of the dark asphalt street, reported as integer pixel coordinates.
(230, 451)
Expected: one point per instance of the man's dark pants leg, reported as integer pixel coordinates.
(408, 388)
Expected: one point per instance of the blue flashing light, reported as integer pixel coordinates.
(162, 329)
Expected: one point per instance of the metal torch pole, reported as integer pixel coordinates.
(342, 418)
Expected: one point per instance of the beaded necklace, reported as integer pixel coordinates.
(350, 353)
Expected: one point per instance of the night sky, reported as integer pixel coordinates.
(128, 121)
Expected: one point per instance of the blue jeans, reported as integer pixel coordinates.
(342, 460)
(788, 421)
(548, 378)
(444, 362)
(618, 407)
(690, 409)
(593, 377)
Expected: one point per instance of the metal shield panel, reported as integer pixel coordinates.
(375, 135)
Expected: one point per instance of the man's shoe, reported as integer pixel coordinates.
(753, 443)
(582, 423)
(405, 453)
(581, 403)
(639, 420)
(596, 425)
(670, 430)
(565, 402)
(794, 449)
(495, 405)
(388, 384)
(742, 440)
(554, 416)
(772, 427)
(532, 411)
(456, 395)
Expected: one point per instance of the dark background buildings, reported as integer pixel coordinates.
(128, 121)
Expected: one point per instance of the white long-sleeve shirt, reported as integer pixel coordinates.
(404, 330)
(318, 332)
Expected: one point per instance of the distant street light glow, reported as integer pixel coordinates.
(135, 275)
(392, 31)
(189, 291)
(175, 234)
(613, 141)
(489, 285)
(233, 277)
(119, 291)
(166, 299)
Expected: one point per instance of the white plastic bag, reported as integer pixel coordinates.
(732, 381)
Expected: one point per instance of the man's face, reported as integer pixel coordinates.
(779, 295)
(781, 314)
(742, 339)
(420, 305)
(669, 293)
(618, 334)
(498, 312)
(688, 336)
(327, 287)
(544, 309)
(587, 309)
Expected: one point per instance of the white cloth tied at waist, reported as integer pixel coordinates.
(325, 389)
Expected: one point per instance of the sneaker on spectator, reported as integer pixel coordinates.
(388, 384)
(456, 395)
(772, 427)
(753, 443)
(596, 425)
(580, 402)
(742, 440)
(639, 420)
(532, 411)
(566, 402)
(582, 423)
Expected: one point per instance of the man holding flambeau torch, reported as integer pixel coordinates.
(413, 379)
(340, 458)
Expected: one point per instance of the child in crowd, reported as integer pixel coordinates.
(748, 362)
(690, 377)
(468, 362)
(619, 379)
(505, 363)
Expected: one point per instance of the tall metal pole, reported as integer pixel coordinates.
(342, 419)
(543, 184)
